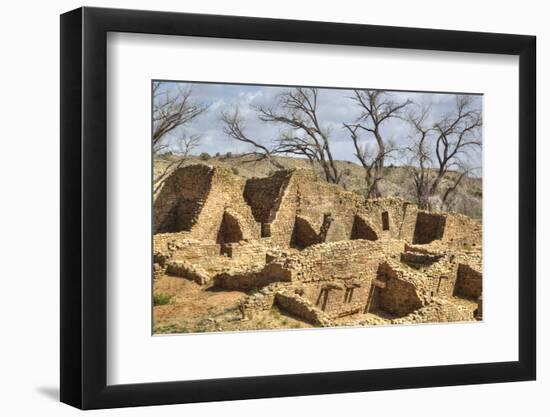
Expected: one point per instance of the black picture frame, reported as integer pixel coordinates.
(84, 207)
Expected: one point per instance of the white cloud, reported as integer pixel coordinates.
(335, 108)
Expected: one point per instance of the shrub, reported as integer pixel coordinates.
(217, 154)
(205, 156)
(276, 313)
(228, 155)
(476, 192)
(160, 299)
(235, 171)
(166, 156)
(253, 291)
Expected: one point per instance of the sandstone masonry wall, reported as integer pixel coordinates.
(181, 199)
(469, 282)
(462, 232)
(401, 217)
(195, 199)
(316, 250)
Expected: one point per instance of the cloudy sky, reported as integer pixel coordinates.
(335, 108)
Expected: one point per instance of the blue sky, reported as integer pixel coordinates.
(335, 108)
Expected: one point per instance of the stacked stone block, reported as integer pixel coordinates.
(316, 250)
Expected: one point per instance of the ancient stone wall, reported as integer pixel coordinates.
(226, 193)
(303, 205)
(181, 199)
(212, 257)
(316, 250)
(468, 282)
(251, 279)
(428, 227)
(318, 199)
(257, 302)
(304, 233)
(248, 253)
(362, 258)
(335, 277)
(352, 263)
(439, 311)
(301, 307)
(212, 202)
(436, 268)
(393, 218)
(363, 228)
(339, 297)
(283, 215)
(264, 195)
(399, 293)
(343, 259)
(201, 200)
(188, 270)
(179, 246)
(462, 232)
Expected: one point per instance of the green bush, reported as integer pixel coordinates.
(228, 155)
(205, 156)
(253, 291)
(160, 299)
(235, 171)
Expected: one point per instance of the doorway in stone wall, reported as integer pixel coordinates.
(230, 232)
(385, 221)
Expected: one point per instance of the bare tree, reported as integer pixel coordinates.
(172, 109)
(376, 108)
(186, 145)
(297, 111)
(370, 159)
(421, 161)
(234, 127)
(443, 147)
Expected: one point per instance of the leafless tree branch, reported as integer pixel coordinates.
(376, 107)
(234, 127)
(297, 110)
(187, 144)
(449, 140)
(172, 109)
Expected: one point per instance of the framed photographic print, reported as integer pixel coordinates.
(258, 207)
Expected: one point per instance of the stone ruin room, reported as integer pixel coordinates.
(290, 250)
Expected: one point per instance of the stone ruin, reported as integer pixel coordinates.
(318, 252)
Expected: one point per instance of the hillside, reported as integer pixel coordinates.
(398, 181)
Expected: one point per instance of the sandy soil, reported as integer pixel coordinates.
(194, 310)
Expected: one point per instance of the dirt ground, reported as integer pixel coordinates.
(193, 310)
